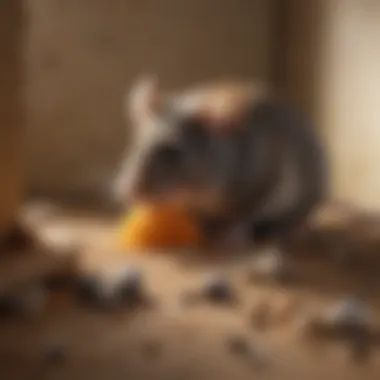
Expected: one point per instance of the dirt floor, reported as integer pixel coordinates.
(171, 338)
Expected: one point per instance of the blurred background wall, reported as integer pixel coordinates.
(82, 54)
(11, 111)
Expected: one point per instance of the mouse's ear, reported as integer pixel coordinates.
(143, 101)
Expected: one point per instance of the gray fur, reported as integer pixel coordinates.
(302, 183)
(270, 173)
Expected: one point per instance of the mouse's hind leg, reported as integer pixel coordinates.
(238, 235)
(223, 234)
(232, 235)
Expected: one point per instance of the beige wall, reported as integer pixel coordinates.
(81, 55)
(350, 99)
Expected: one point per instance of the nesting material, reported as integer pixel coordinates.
(239, 346)
(37, 263)
(348, 312)
(217, 288)
(128, 284)
(270, 265)
(158, 226)
(346, 320)
(123, 287)
(27, 302)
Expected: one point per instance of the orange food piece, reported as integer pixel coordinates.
(149, 226)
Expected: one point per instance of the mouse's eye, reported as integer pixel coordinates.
(194, 134)
(167, 160)
(166, 165)
(169, 155)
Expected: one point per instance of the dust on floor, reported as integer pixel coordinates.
(175, 339)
